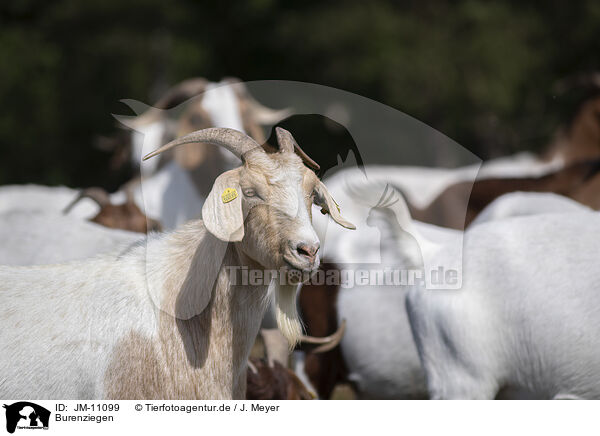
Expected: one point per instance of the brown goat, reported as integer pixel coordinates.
(125, 216)
(265, 382)
(456, 208)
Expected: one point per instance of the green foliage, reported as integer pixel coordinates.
(481, 72)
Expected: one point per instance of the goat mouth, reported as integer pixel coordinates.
(296, 275)
(300, 266)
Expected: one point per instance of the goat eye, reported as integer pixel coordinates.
(249, 192)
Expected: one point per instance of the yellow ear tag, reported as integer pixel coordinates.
(228, 195)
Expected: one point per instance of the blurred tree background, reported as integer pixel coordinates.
(483, 73)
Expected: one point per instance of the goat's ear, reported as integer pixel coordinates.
(328, 205)
(222, 210)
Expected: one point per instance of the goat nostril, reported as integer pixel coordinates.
(303, 251)
(308, 250)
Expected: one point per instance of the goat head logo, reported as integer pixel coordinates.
(26, 415)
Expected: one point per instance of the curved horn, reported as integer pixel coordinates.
(236, 142)
(260, 114)
(328, 342)
(287, 143)
(252, 367)
(265, 115)
(181, 92)
(173, 97)
(98, 195)
(306, 158)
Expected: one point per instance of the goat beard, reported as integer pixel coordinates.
(287, 315)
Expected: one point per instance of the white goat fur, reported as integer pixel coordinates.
(45, 199)
(516, 325)
(528, 203)
(423, 184)
(378, 346)
(97, 327)
(38, 238)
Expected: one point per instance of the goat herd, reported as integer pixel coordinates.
(130, 295)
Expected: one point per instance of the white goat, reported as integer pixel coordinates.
(516, 325)
(45, 199)
(528, 203)
(164, 320)
(38, 238)
(423, 184)
(174, 192)
(378, 346)
(168, 196)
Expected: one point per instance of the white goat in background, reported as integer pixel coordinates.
(527, 317)
(173, 189)
(528, 203)
(378, 346)
(38, 238)
(423, 184)
(163, 320)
